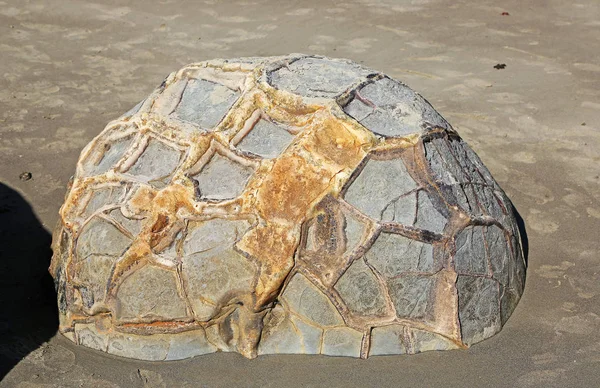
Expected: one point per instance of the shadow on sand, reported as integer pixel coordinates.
(28, 312)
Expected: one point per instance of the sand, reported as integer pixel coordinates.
(68, 67)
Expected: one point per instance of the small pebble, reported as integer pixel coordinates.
(25, 176)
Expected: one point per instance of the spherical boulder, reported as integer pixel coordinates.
(293, 204)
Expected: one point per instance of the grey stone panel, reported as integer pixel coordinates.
(498, 253)
(476, 161)
(215, 275)
(157, 161)
(361, 291)
(443, 162)
(132, 225)
(517, 274)
(491, 204)
(411, 295)
(388, 340)
(222, 178)
(111, 156)
(150, 292)
(306, 300)
(471, 169)
(402, 210)
(379, 183)
(214, 234)
(471, 255)
(93, 272)
(150, 348)
(478, 308)
(316, 77)
(508, 302)
(393, 254)
(278, 335)
(424, 341)
(342, 341)
(354, 230)
(188, 344)
(398, 110)
(284, 335)
(87, 335)
(205, 103)
(311, 335)
(266, 139)
(390, 124)
(358, 110)
(102, 197)
(428, 217)
(101, 237)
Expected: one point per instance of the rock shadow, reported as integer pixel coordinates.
(28, 311)
(523, 232)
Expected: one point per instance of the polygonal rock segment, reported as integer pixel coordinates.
(424, 341)
(222, 178)
(517, 272)
(88, 335)
(132, 225)
(266, 139)
(151, 348)
(392, 255)
(390, 108)
(111, 153)
(212, 270)
(215, 276)
(94, 237)
(498, 253)
(428, 216)
(150, 292)
(286, 335)
(354, 231)
(399, 339)
(157, 161)
(342, 341)
(464, 180)
(478, 308)
(471, 163)
(214, 234)
(444, 162)
(92, 273)
(412, 295)
(379, 184)
(361, 291)
(304, 299)
(470, 257)
(390, 339)
(402, 210)
(189, 344)
(205, 103)
(103, 197)
(317, 77)
(508, 302)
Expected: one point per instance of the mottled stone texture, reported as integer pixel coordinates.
(283, 205)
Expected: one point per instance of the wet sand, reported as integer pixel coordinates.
(68, 67)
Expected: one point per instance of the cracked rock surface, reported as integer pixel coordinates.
(295, 204)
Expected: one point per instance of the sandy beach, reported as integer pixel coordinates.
(68, 67)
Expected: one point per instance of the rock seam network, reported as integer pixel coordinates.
(293, 204)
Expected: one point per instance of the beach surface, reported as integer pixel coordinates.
(69, 67)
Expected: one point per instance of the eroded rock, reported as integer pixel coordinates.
(295, 204)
